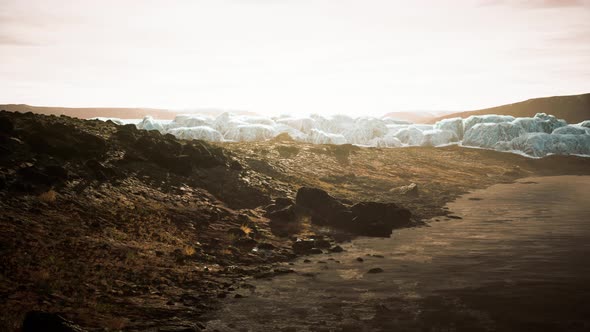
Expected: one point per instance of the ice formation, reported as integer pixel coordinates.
(199, 132)
(455, 125)
(542, 144)
(148, 123)
(489, 118)
(319, 137)
(250, 132)
(410, 135)
(536, 136)
(486, 135)
(437, 137)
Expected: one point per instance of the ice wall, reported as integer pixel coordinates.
(537, 136)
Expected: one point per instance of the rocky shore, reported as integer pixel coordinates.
(109, 227)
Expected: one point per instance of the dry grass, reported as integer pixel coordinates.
(49, 196)
(247, 230)
(189, 251)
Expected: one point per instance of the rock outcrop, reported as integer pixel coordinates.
(364, 218)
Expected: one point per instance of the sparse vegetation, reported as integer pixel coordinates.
(49, 196)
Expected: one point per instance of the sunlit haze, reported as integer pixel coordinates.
(292, 56)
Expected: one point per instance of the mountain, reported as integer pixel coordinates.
(114, 112)
(573, 109)
(91, 112)
(416, 116)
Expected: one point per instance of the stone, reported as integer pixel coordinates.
(282, 214)
(336, 249)
(375, 270)
(303, 246)
(266, 246)
(283, 201)
(44, 321)
(409, 190)
(378, 219)
(319, 204)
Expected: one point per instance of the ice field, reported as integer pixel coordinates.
(538, 136)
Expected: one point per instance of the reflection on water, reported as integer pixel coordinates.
(518, 260)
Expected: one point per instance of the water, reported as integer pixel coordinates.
(519, 260)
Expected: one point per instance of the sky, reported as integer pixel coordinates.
(356, 57)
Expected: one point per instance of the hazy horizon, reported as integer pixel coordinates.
(296, 57)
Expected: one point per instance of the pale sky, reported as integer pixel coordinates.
(355, 57)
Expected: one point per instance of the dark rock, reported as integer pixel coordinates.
(203, 154)
(266, 246)
(322, 244)
(237, 232)
(283, 270)
(303, 246)
(33, 175)
(375, 270)
(235, 165)
(100, 171)
(283, 214)
(319, 204)
(283, 202)
(315, 251)
(378, 219)
(360, 259)
(336, 249)
(36, 321)
(6, 126)
(245, 243)
(57, 172)
(64, 141)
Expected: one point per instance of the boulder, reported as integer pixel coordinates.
(378, 219)
(337, 249)
(322, 207)
(283, 201)
(307, 247)
(282, 214)
(375, 270)
(366, 218)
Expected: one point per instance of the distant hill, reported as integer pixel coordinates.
(573, 109)
(91, 112)
(416, 116)
(115, 112)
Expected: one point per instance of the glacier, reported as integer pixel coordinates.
(536, 136)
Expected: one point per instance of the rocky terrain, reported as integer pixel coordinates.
(123, 229)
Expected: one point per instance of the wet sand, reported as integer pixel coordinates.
(517, 261)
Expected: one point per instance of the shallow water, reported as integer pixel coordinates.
(519, 260)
